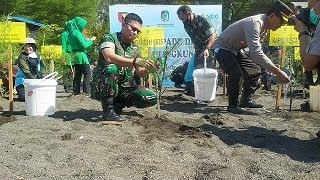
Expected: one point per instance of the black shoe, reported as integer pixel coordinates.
(118, 108)
(76, 93)
(235, 109)
(111, 116)
(108, 108)
(250, 104)
(190, 89)
(67, 89)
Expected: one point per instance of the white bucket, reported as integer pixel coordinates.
(40, 95)
(205, 82)
(315, 98)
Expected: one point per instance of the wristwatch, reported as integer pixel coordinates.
(304, 33)
(134, 62)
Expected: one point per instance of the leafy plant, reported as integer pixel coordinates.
(159, 74)
(49, 34)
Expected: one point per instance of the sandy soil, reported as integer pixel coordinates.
(189, 141)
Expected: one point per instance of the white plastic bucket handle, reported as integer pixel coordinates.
(204, 64)
(49, 76)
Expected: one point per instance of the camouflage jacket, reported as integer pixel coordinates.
(121, 49)
(199, 32)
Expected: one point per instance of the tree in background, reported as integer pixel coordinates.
(51, 11)
(96, 12)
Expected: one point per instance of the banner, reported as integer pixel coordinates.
(51, 51)
(284, 36)
(14, 32)
(150, 37)
(165, 16)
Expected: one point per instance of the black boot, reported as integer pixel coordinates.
(109, 113)
(67, 89)
(118, 106)
(247, 102)
(190, 88)
(233, 106)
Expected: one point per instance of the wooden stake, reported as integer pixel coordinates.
(116, 123)
(150, 81)
(51, 65)
(303, 83)
(278, 96)
(150, 75)
(279, 91)
(224, 84)
(10, 75)
(158, 96)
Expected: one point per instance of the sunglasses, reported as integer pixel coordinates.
(134, 29)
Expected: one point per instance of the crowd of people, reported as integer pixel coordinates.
(238, 50)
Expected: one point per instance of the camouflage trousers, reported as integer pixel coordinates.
(105, 83)
(67, 78)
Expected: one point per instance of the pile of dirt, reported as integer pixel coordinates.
(163, 128)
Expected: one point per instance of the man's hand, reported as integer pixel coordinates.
(93, 38)
(277, 65)
(206, 52)
(150, 67)
(157, 64)
(283, 77)
(300, 27)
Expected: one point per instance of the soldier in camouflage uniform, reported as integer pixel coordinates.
(202, 35)
(115, 76)
(201, 32)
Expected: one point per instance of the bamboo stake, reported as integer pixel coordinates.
(279, 91)
(158, 96)
(290, 85)
(51, 64)
(150, 75)
(224, 84)
(10, 75)
(116, 123)
(150, 81)
(303, 83)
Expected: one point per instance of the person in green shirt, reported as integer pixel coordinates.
(116, 77)
(79, 45)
